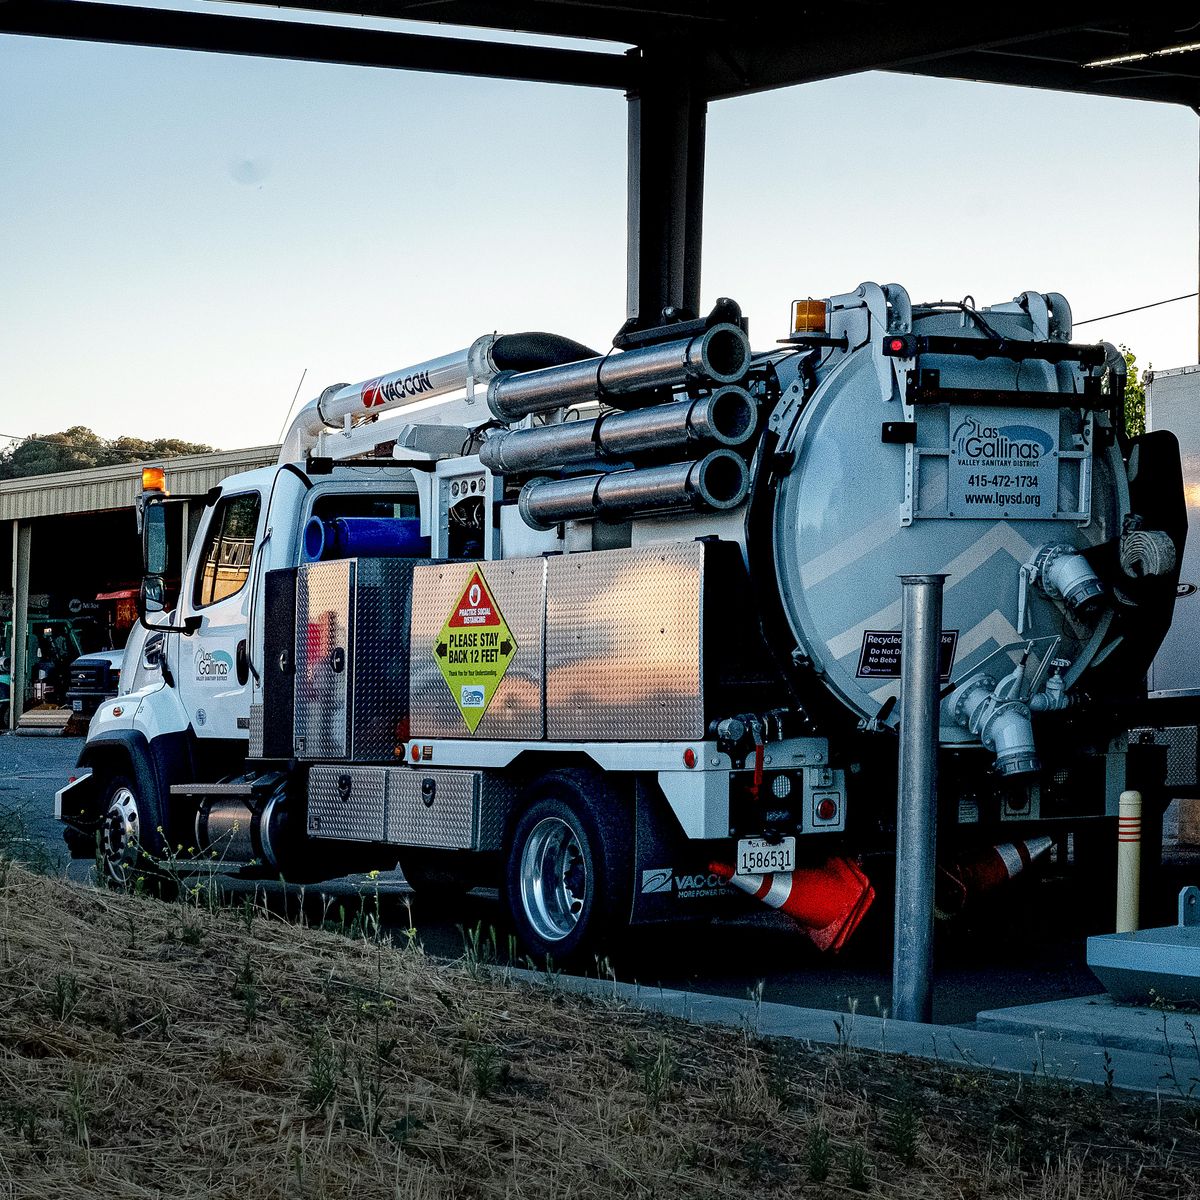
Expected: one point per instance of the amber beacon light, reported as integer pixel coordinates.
(808, 316)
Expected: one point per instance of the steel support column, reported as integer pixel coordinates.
(18, 658)
(916, 805)
(667, 117)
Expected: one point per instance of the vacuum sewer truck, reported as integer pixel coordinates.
(624, 642)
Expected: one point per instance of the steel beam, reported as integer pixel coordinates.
(271, 38)
(667, 116)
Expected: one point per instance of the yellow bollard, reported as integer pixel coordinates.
(1129, 861)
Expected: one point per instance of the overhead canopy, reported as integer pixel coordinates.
(724, 49)
(674, 57)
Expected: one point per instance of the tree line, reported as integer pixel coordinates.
(79, 447)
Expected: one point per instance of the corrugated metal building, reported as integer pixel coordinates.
(101, 489)
(74, 538)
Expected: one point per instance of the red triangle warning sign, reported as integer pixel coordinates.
(476, 607)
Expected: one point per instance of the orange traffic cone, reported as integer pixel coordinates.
(827, 902)
(961, 883)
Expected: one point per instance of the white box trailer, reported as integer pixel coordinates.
(1173, 403)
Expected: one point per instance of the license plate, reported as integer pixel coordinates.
(757, 856)
(77, 705)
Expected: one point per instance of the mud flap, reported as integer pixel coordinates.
(672, 880)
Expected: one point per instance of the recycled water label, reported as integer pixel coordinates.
(1003, 463)
(880, 654)
(473, 650)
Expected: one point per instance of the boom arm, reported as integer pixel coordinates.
(479, 363)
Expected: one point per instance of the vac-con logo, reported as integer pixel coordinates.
(1021, 445)
(379, 391)
(214, 667)
(666, 881)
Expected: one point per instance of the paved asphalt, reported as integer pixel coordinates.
(1025, 946)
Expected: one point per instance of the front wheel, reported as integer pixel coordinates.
(130, 833)
(569, 867)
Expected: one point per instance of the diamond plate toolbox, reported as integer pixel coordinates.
(624, 644)
(323, 616)
(379, 657)
(347, 803)
(517, 586)
(448, 810)
(351, 680)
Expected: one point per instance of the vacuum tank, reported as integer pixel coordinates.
(890, 439)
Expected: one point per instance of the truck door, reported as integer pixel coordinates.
(216, 699)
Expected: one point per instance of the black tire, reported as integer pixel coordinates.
(569, 867)
(131, 843)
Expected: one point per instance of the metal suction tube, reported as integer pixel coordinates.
(727, 417)
(718, 480)
(720, 354)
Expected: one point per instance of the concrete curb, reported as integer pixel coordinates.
(1100, 1021)
(1036, 1052)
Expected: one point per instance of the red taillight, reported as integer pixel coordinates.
(827, 809)
(897, 344)
(689, 758)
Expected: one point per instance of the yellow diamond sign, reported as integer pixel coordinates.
(473, 650)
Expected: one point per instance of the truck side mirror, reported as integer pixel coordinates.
(154, 540)
(150, 599)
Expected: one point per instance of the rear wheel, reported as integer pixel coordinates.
(569, 867)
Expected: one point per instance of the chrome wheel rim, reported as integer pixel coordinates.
(554, 879)
(121, 830)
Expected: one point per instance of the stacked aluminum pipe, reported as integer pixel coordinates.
(726, 417)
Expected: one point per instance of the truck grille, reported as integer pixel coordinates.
(91, 677)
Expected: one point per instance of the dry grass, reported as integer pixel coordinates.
(152, 1049)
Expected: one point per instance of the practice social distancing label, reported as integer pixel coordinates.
(473, 650)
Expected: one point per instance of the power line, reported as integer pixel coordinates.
(31, 437)
(56, 440)
(1140, 308)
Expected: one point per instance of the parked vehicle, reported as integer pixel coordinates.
(94, 678)
(631, 666)
(53, 644)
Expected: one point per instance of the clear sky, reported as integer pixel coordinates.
(181, 235)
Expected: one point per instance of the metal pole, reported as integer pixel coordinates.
(18, 660)
(916, 802)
